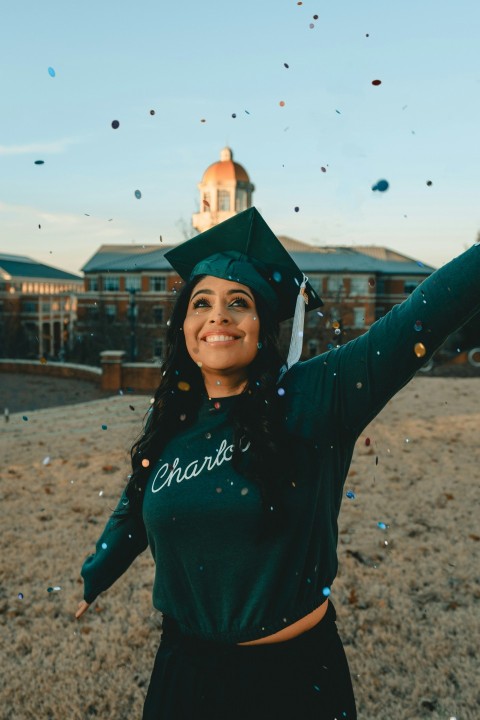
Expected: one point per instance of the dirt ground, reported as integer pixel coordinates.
(407, 596)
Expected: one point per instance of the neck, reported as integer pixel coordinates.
(223, 386)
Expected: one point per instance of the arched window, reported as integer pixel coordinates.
(223, 200)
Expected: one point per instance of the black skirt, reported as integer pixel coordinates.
(305, 678)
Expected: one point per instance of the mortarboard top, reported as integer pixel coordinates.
(244, 249)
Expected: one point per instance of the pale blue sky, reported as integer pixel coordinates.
(193, 60)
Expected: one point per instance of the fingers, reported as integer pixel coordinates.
(82, 608)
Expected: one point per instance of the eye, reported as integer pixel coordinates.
(201, 302)
(243, 302)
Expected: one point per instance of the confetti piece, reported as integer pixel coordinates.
(203, 120)
(115, 124)
(315, 17)
(51, 72)
(381, 186)
(323, 169)
(104, 427)
(326, 591)
(296, 208)
(182, 385)
(25, 418)
(20, 596)
(367, 441)
(234, 115)
(429, 183)
(152, 112)
(350, 495)
(420, 350)
(244, 491)
(281, 391)
(217, 405)
(39, 162)
(248, 113)
(338, 111)
(282, 103)
(418, 325)
(286, 65)
(382, 525)
(277, 276)
(104, 546)
(376, 82)
(145, 462)
(54, 589)
(46, 460)
(138, 194)
(311, 26)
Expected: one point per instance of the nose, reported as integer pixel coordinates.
(219, 318)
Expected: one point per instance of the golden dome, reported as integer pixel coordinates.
(224, 170)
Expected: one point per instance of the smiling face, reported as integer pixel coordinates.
(221, 328)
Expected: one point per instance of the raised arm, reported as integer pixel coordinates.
(376, 365)
(123, 538)
(357, 379)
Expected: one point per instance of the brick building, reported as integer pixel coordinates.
(37, 308)
(130, 292)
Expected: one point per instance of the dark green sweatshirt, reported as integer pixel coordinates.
(201, 518)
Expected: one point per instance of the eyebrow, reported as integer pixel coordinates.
(229, 292)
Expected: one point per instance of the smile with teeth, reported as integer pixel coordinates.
(219, 338)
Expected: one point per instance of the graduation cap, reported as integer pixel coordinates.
(244, 249)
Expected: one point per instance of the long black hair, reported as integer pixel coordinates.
(256, 415)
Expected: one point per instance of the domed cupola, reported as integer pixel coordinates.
(225, 190)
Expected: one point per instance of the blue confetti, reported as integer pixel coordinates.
(104, 427)
(25, 418)
(418, 325)
(326, 591)
(20, 596)
(138, 194)
(39, 162)
(277, 276)
(51, 72)
(281, 391)
(382, 525)
(104, 546)
(381, 186)
(350, 494)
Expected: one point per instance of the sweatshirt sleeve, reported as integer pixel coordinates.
(362, 375)
(123, 538)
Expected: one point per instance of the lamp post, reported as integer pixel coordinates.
(132, 312)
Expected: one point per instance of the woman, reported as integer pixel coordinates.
(238, 477)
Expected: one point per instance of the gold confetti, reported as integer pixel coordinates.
(419, 349)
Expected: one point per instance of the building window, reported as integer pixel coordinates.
(317, 284)
(111, 283)
(92, 312)
(158, 348)
(358, 317)
(110, 312)
(241, 200)
(158, 283)
(133, 282)
(358, 286)
(29, 307)
(334, 284)
(158, 315)
(410, 286)
(45, 307)
(92, 284)
(223, 200)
